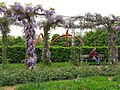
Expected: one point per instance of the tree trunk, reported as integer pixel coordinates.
(112, 46)
(73, 51)
(4, 47)
(46, 54)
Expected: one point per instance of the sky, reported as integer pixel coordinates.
(71, 8)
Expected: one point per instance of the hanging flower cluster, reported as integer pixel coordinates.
(29, 30)
(25, 16)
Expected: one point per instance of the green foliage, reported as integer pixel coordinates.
(116, 78)
(11, 41)
(60, 42)
(19, 41)
(91, 38)
(18, 74)
(90, 83)
(77, 43)
(55, 36)
(16, 41)
(96, 38)
(16, 54)
(58, 54)
(118, 39)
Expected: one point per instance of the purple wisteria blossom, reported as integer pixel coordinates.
(29, 9)
(30, 44)
(25, 15)
(117, 28)
(48, 14)
(18, 6)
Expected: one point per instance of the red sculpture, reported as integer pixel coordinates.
(67, 44)
(36, 41)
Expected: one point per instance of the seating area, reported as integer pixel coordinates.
(86, 58)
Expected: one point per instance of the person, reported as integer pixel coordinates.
(94, 55)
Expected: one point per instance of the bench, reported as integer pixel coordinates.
(86, 58)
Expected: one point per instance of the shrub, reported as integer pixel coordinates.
(58, 54)
(16, 75)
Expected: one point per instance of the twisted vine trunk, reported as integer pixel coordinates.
(73, 51)
(46, 54)
(112, 46)
(4, 47)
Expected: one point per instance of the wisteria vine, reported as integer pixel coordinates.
(25, 16)
(110, 23)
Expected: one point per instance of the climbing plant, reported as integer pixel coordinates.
(5, 22)
(110, 23)
(25, 16)
(51, 22)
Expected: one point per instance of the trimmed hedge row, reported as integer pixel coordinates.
(58, 54)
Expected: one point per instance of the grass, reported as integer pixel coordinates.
(20, 65)
(53, 65)
(90, 83)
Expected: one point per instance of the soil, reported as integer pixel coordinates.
(9, 88)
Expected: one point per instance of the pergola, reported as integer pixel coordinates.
(25, 15)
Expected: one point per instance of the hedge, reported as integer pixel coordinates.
(58, 54)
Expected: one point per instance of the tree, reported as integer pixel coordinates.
(19, 41)
(96, 38)
(11, 40)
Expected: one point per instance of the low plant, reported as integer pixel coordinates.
(18, 74)
(89, 83)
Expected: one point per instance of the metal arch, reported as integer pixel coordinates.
(36, 41)
(68, 35)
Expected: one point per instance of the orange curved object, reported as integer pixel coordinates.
(36, 41)
(67, 38)
(68, 35)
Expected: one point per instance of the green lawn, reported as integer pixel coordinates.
(89, 83)
(21, 65)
